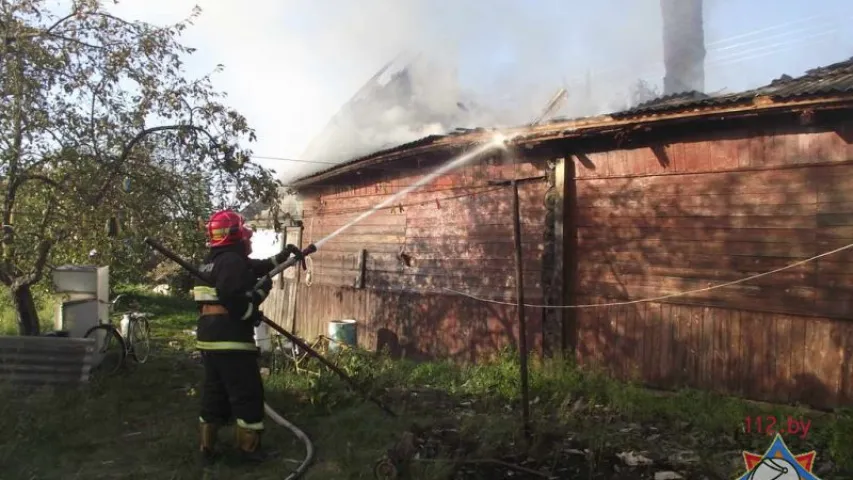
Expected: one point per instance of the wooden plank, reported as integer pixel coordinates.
(658, 339)
(440, 249)
(757, 249)
(362, 264)
(755, 353)
(667, 348)
(711, 221)
(528, 231)
(532, 281)
(392, 262)
(706, 349)
(472, 214)
(294, 237)
(322, 229)
(694, 341)
(718, 319)
(618, 273)
(665, 261)
(680, 348)
(626, 286)
(797, 300)
(736, 364)
(736, 183)
(842, 205)
(677, 208)
(783, 360)
(807, 198)
(334, 221)
(528, 193)
(562, 228)
(770, 352)
(770, 235)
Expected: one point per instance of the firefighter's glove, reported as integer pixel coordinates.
(259, 294)
(297, 253)
(286, 252)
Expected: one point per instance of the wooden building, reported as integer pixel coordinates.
(679, 194)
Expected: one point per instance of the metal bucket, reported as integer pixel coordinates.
(342, 332)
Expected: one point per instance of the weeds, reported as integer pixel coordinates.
(142, 424)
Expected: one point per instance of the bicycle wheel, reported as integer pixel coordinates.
(140, 340)
(111, 350)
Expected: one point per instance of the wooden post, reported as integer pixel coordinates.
(294, 285)
(362, 266)
(559, 255)
(522, 323)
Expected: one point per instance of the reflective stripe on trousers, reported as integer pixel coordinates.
(250, 426)
(226, 346)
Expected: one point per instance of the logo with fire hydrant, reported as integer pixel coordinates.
(778, 463)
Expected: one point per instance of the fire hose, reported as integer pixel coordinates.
(280, 420)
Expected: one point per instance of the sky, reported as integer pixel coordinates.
(291, 64)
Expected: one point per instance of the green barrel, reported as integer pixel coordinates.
(341, 332)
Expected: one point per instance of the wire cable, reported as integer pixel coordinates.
(662, 297)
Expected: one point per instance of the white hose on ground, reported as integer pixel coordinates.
(309, 447)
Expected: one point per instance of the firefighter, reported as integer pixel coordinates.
(232, 388)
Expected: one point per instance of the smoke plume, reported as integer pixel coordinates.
(436, 83)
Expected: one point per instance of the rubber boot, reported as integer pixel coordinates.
(249, 445)
(208, 434)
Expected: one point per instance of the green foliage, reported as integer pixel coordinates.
(106, 141)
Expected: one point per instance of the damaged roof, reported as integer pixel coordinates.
(831, 79)
(818, 83)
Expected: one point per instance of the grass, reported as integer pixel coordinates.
(45, 304)
(143, 423)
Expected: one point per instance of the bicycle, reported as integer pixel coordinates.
(133, 337)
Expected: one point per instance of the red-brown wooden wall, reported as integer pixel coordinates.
(691, 214)
(456, 232)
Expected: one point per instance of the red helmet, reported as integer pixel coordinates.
(224, 228)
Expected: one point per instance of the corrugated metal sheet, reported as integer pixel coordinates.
(829, 80)
(45, 360)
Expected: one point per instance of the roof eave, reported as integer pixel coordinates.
(583, 127)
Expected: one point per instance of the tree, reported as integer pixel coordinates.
(98, 123)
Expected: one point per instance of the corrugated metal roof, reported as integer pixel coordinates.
(822, 81)
(818, 82)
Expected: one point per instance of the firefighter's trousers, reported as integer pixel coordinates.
(233, 389)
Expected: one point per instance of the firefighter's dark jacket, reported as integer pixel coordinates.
(234, 276)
